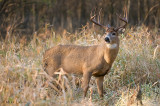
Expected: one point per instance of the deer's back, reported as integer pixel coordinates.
(73, 58)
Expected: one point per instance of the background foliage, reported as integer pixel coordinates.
(24, 17)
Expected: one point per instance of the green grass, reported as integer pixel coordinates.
(23, 81)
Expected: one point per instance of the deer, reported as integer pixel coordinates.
(95, 60)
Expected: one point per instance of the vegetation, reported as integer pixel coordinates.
(25, 17)
(22, 79)
(29, 27)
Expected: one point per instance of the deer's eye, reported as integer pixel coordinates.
(113, 33)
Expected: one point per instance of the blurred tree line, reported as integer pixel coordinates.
(24, 17)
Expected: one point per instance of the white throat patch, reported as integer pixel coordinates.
(112, 46)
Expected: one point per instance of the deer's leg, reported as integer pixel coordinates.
(99, 82)
(85, 83)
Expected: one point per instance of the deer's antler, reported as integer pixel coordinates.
(122, 19)
(95, 22)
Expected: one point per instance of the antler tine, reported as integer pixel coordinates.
(122, 19)
(95, 22)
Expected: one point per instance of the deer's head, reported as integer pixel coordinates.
(111, 35)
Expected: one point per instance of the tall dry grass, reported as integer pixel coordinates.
(23, 81)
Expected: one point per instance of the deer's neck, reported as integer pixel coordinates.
(110, 52)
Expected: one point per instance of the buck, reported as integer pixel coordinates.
(89, 61)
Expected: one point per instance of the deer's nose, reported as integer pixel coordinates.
(107, 39)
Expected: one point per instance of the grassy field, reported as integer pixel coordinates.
(23, 81)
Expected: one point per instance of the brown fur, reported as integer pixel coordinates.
(87, 60)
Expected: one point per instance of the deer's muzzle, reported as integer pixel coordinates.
(107, 39)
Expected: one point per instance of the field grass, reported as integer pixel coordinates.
(23, 81)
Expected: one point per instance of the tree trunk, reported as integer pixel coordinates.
(139, 12)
